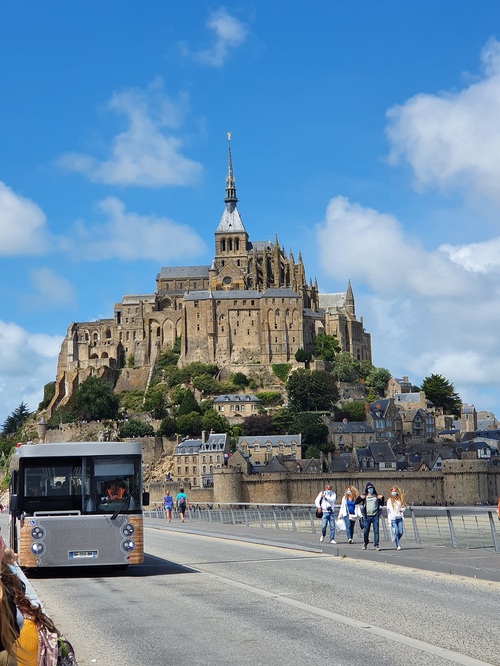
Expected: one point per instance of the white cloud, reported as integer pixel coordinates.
(22, 225)
(144, 154)
(429, 315)
(27, 362)
(52, 289)
(229, 33)
(129, 236)
(452, 139)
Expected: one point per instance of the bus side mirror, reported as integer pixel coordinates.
(145, 499)
(13, 504)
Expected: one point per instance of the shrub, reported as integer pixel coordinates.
(136, 428)
(281, 370)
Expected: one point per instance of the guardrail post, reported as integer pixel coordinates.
(261, 522)
(276, 524)
(494, 534)
(453, 534)
(294, 526)
(220, 516)
(233, 519)
(415, 526)
(311, 519)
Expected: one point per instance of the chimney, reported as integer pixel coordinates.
(41, 430)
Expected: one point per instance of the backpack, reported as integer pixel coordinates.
(54, 649)
(182, 501)
(371, 504)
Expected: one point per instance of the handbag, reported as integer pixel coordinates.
(340, 524)
(319, 512)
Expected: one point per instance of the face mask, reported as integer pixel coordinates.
(348, 492)
(394, 493)
(371, 491)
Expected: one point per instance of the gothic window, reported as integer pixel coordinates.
(237, 246)
(230, 244)
(223, 245)
(96, 337)
(197, 327)
(158, 332)
(238, 262)
(108, 333)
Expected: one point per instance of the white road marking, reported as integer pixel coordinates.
(436, 650)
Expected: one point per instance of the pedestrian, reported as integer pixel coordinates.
(349, 512)
(395, 514)
(326, 502)
(168, 504)
(182, 503)
(371, 507)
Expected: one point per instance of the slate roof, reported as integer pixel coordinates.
(135, 299)
(187, 444)
(215, 442)
(230, 221)
(274, 440)
(223, 294)
(337, 427)
(332, 301)
(171, 272)
(229, 397)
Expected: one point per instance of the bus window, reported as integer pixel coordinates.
(116, 480)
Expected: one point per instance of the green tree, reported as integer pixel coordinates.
(441, 393)
(346, 368)
(314, 432)
(136, 428)
(205, 383)
(257, 424)
(212, 420)
(281, 421)
(353, 411)
(155, 401)
(167, 427)
(49, 391)
(301, 356)
(326, 347)
(311, 390)
(189, 424)
(188, 404)
(95, 400)
(15, 420)
(269, 397)
(240, 379)
(377, 379)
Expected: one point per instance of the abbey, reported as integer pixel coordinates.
(252, 306)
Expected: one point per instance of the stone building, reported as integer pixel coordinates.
(196, 459)
(252, 306)
(262, 448)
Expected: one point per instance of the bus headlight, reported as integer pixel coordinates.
(128, 530)
(128, 545)
(37, 533)
(37, 548)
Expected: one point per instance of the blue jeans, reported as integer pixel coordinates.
(369, 521)
(328, 517)
(397, 530)
(349, 527)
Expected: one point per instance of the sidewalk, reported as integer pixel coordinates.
(479, 563)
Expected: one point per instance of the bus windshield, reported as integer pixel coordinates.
(97, 484)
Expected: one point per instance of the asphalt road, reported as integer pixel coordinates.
(204, 600)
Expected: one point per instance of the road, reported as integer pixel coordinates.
(204, 600)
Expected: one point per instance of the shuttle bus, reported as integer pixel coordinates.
(77, 504)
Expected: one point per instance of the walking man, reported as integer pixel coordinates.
(326, 502)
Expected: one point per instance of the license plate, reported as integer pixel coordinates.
(82, 554)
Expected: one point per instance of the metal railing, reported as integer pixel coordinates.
(454, 527)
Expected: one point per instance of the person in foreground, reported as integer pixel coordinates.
(326, 502)
(395, 514)
(182, 503)
(371, 507)
(349, 511)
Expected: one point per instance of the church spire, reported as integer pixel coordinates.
(231, 198)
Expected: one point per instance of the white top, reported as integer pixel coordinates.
(395, 509)
(326, 500)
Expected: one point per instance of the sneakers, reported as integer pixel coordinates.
(350, 541)
(332, 541)
(365, 546)
(398, 548)
(321, 539)
(377, 547)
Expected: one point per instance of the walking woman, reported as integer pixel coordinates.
(349, 511)
(395, 514)
(168, 503)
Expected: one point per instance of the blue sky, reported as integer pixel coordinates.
(364, 134)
